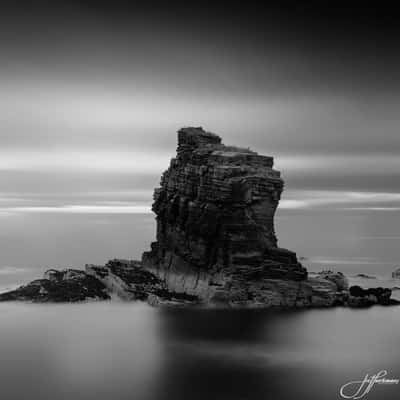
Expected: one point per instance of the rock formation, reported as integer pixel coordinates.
(396, 273)
(121, 279)
(215, 231)
(365, 276)
(215, 243)
(359, 297)
(60, 286)
(215, 221)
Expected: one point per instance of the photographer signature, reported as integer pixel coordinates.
(358, 389)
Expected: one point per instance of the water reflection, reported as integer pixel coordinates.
(129, 351)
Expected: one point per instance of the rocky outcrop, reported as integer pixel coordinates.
(68, 285)
(396, 273)
(128, 280)
(365, 276)
(337, 278)
(359, 297)
(118, 279)
(215, 242)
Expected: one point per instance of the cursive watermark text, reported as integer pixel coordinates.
(358, 389)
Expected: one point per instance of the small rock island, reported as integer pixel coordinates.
(215, 243)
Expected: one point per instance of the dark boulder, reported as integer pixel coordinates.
(79, 287)
(359, 297)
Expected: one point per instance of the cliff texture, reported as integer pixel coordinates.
(215, 229)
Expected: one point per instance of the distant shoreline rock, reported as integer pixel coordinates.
(365, 276)
(215, 244)
(396, 273)
(359, 297)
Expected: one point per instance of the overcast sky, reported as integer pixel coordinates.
(92, 96)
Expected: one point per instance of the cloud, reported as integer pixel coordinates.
(339, 165)
(122, 162)
(346, 261)
(393, 209)
(80, 209)
(344, 200)
(10, 270)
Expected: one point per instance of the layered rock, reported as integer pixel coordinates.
(215, 229)
(128, 280)
(215, 211)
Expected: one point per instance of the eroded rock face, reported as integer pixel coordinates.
(127, 280)
(215, 221)
(340, 281)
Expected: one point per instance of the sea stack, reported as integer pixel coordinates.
(215, 222)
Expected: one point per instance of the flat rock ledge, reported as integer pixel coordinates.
(126, 280)
(215, 243)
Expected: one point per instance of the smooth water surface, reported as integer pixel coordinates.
(132, 351)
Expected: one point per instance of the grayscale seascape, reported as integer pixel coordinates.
(199, 201)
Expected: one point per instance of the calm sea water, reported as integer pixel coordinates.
(119, 351)
(132, 351)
